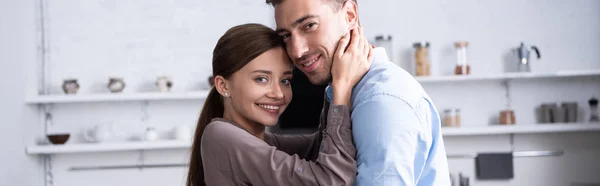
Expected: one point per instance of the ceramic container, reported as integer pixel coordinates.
(164, 83)
(116, 84)
(70, 86)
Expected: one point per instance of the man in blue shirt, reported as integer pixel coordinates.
(396, 127)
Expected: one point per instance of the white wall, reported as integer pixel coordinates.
(140, 40)
(568, 37)
(17, 52)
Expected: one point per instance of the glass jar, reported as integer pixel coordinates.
(385, 41)
(462, 67)
(451, 117)
(457, 117)
(422, 61)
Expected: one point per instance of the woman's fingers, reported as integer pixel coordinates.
(342, 46)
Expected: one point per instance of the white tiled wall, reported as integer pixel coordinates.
(141, 40)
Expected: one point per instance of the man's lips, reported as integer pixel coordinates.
(310, 63)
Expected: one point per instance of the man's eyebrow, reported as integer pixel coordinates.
(298, 21)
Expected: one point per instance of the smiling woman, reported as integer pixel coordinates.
(252, 88)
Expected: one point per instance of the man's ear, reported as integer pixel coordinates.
(221, 84)
(350, 11)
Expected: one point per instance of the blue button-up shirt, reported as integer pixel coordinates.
(396, 129)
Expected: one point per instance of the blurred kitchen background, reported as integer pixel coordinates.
(117, 85)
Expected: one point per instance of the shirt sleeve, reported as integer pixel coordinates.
(335, 164)
(301, 144)
(391, 139)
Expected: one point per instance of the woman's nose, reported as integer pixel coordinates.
(275, 92)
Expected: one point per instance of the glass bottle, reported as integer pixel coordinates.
(462, 67)
(422, 61)
(385, 41)
(594, 110)
(457, 117)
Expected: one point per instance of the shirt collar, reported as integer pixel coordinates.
(379, 55)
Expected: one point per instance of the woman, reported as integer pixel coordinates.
(251, 89)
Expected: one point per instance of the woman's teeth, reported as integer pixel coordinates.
(270, 107)
(311, 62)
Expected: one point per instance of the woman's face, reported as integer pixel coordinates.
(261, 90)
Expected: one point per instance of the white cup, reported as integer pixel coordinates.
(182, 132)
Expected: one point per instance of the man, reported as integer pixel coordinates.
(396, 127)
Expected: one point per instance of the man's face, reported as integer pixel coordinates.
(311, 30)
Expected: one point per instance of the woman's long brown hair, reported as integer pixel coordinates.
(236, 48)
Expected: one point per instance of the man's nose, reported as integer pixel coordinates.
(298, 47)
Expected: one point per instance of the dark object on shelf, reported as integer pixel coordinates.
(304, 110)
(594, 110)
(494, 166)
(58, 138)
(463, 180)
(570, 110)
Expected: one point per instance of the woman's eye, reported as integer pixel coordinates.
(286, 81)
(261, 79)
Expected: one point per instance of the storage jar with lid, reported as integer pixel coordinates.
(422, 59)
(462, 67)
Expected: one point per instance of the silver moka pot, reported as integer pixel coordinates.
(523, 52)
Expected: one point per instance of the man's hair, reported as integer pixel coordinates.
(336, 4)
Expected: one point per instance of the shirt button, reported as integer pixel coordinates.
(299, 169)
(335, 110)
(335, 120)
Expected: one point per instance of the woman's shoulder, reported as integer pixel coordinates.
(226, 134)
(221, 128)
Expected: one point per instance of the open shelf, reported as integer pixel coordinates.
(107, 147)
(172, 144)
(115, 97)
(521, 129)
(150, 96)
(510, 76)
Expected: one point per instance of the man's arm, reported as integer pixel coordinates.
(392, 138)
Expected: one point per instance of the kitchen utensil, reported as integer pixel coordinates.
(99, 133)
(523, 52)
(58, 138)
